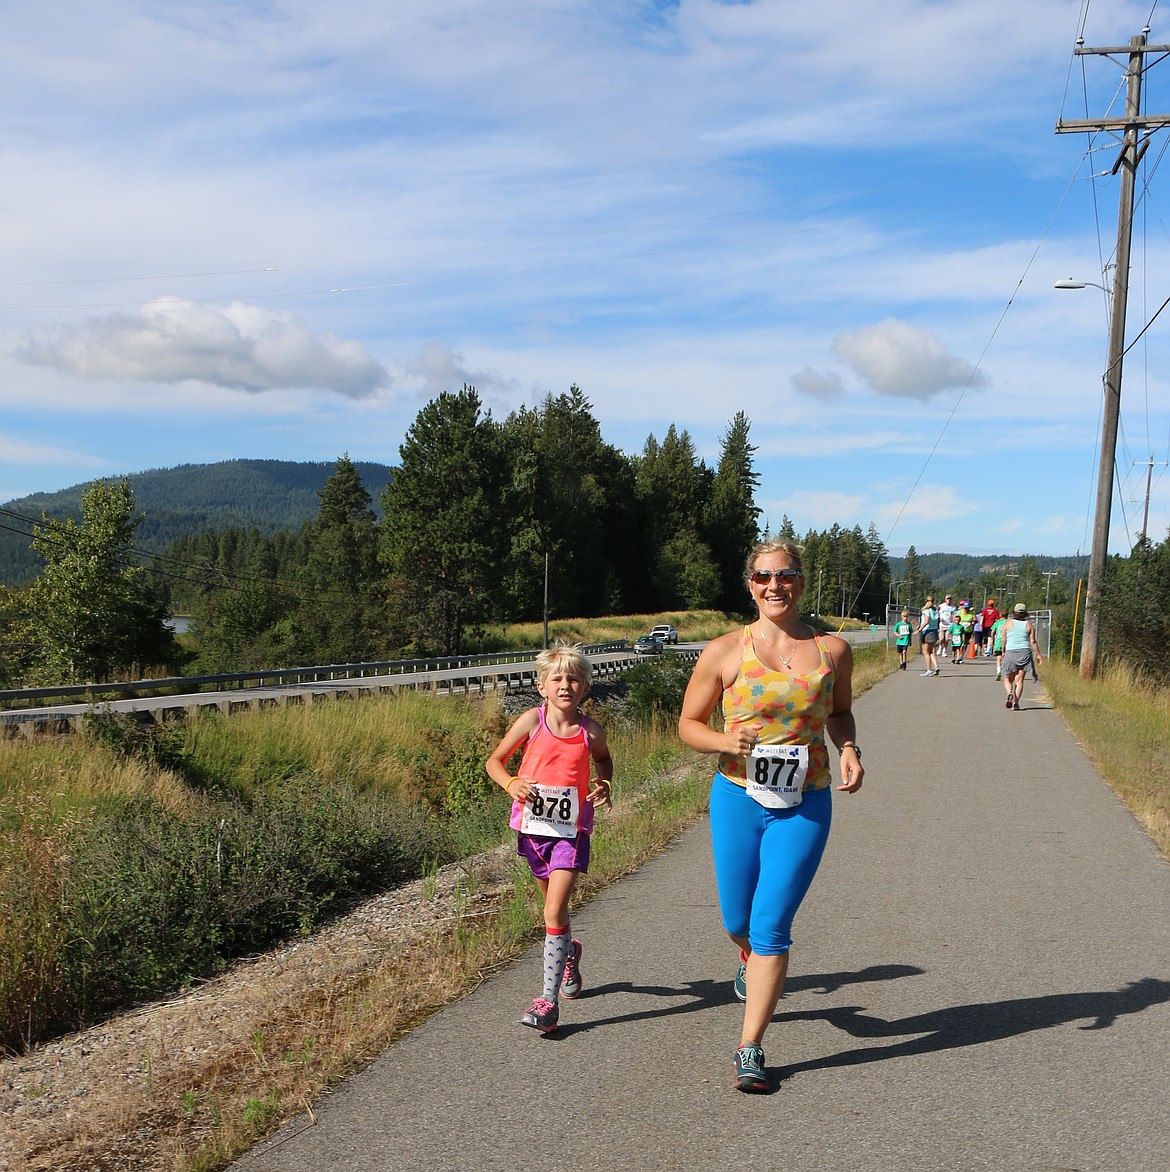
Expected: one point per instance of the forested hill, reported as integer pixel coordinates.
(268, 495)
(948, 571)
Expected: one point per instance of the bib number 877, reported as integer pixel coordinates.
(769, 771)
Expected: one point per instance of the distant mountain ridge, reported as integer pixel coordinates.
(268, 495)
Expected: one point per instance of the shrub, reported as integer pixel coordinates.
(656, 689)
(156, 900)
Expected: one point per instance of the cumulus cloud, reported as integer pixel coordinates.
(818, 384)
(903, 361)
(240, 347)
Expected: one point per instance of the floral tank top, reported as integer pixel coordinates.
(792, 710)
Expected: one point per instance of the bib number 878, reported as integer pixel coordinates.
(560, 808)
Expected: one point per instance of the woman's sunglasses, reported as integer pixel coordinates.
(763, 577)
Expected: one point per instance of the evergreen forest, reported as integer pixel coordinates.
(480, 521)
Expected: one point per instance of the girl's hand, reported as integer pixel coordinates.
(601, 792)
(520, 789)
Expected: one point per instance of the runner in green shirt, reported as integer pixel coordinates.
(902, 632)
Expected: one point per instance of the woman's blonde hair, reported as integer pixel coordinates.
(790, 548)
(566, 657)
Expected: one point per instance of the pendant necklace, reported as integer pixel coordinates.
(792, 654)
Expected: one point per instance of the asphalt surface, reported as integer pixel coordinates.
(979, 981)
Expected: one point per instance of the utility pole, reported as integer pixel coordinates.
(1049, 574)
(1133, 127)
(1149, 480)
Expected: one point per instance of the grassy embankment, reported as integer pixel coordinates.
(1123, 723)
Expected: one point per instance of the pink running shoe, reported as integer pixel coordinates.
(542, 1015)
(571, 978)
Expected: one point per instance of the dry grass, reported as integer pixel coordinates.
(66, 774)
(1123, 723)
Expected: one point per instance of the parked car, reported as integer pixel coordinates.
(665, 632)
(648, 645)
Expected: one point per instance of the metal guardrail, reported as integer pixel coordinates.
(463, 674)
(280, 677)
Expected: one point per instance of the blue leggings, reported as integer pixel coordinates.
(765, 861)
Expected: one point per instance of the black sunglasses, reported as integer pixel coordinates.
(763, 577)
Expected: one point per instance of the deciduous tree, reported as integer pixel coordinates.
(92, 611)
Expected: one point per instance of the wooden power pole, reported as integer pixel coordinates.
(1134, 128)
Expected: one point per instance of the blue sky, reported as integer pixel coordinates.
(275, 230)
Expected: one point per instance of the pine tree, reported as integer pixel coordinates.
(444, 528)
(342, 609)
(731, 518)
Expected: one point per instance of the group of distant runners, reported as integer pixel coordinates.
(950, 633)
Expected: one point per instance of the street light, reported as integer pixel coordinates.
(1073, 283)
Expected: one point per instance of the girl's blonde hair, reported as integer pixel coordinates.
(566, 657)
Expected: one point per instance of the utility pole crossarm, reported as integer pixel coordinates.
(1082, 50)
(1147, 121)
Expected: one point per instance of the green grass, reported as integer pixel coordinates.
(1123, 723)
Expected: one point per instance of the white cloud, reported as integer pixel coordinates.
(818, 384)
(241, 347)
(904, 361)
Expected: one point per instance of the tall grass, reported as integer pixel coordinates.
(131, 864)
(1123, 722)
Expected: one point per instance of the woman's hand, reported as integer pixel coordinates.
(741, 739)
(852, 770)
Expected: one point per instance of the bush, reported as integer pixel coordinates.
(656, 689)
(146, 901)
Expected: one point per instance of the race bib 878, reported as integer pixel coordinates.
(552, 811)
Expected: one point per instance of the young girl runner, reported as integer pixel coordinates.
(565, 770)
(902, 633)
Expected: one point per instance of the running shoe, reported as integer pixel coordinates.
(749, 1069)
(928, 672)
(998, 675)
(935, 672)
(571, 980)
(1010, 702)
(741, 981)
(542, 1015)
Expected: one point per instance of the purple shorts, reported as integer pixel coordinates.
(546, 855)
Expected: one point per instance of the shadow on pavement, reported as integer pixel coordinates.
(707, 994)
(973, 1025)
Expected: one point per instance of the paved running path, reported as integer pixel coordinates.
(980, 980)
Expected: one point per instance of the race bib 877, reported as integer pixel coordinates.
(776, 775)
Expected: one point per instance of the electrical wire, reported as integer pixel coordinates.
(229, 579)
